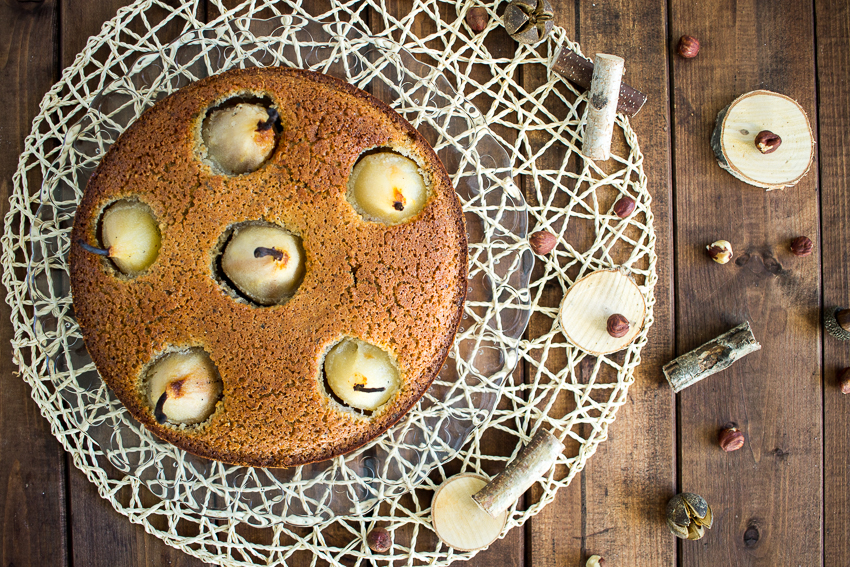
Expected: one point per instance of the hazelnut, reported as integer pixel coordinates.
(720, 251)
(595, 561)
(843, 319)
(844, 381)
(542, 242)
(476, 19)
(379, 540)
(618, 326)
(624, 207)
(731, 439)
(802, 246)
(767, 142)
(688, 47)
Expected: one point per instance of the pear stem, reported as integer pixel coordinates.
(272, 120)
(157, 411)
(261, 251)
(93, 249)
(364, 389)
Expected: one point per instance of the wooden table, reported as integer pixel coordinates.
(782, 499)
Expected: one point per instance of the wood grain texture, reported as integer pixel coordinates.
(631, 477)
(771, 497)
(766, 497)
(32, 463)
(833, 61)
(614, 508)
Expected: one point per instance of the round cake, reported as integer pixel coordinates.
(269, 267)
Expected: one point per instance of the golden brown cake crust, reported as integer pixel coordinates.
(400, 287)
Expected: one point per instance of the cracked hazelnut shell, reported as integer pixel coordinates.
(767, 142)
(844, 381)
(688, 515)
(720, 251)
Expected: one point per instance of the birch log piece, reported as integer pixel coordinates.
(579, 70)
(457, 519)
(532, 462)
(712, 357)
(591, 301)
(602, 106)
(738, 125)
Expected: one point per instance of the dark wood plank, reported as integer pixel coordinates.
(100, 535)
(767, 497)
(32, 463)
(833, 46)
(632, 475)
(614, 507)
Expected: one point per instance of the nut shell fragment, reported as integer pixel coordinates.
(767, 142)
(720, 251)
(688, 515)
(837, 322)
(476, 19)
(528, 21)
(624, 207)
(802, 246)
(617, 326)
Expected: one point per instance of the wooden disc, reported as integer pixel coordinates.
(458, 520)
(591, 301)
(734, 136)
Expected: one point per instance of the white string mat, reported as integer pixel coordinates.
(228, 515)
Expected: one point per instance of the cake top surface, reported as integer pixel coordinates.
(395, 283)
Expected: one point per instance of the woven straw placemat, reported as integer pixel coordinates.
(243, 516)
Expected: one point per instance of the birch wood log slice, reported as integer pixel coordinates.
(458, 520)
(591, 301)
(733, 140)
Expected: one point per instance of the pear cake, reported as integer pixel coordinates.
(269, 267)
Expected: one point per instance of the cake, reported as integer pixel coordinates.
(269, 267)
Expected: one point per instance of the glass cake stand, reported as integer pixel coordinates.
(468, 386)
